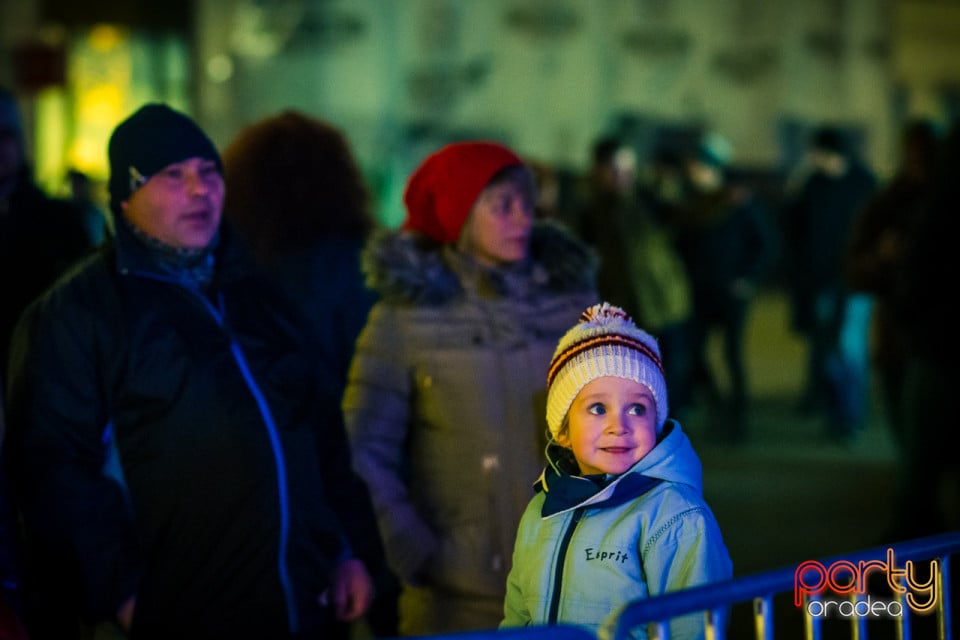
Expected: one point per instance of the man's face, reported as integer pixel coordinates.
(10, 154)
(180, 205)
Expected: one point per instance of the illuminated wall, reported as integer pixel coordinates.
(547, 76)
(110, 70)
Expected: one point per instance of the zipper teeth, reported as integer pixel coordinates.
(271, 426)
(281, 482)
(561, 561)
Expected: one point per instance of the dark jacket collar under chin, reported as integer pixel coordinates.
(225, 257)
(564, 488)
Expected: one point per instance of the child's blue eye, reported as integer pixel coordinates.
(638, 409)
(597, 409)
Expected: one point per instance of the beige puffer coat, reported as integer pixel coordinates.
(445, 405)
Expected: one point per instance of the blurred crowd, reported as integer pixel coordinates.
(421, 352)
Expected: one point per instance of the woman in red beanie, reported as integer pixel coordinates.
(446, 393)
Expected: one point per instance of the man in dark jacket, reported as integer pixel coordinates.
(176, 444)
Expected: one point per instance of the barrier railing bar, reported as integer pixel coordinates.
(946, 595)
(905, 623)
(713, 625)
(858, 624)
(763, 618)
(811, 624)
(769, 583)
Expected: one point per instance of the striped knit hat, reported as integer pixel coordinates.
(605, 342)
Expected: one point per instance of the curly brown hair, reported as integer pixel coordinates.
(290, 179)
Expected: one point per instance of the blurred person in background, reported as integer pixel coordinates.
(928, 501)
(817, 224)
(607, 217)
(11, 625)
(446, 395)
(728, 244)
(297, 196)
(40, 236)
(81, 190)
(640, 268)
(875, 258)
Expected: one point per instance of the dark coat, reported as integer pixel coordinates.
(183, 447)
(39, 238)
(326, 281)
(724, 237)
(817, 229)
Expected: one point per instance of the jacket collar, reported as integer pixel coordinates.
(565, 490)
(134, 256)
(407, 267)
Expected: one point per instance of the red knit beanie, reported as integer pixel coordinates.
(441, 192)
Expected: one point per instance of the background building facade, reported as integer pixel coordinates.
(545, 76)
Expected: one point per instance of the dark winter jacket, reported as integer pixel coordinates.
(818, 223)
(183, 447)
(39, 238)
(725, 238)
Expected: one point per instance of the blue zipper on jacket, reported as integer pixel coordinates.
(219, 315)
(561, 561)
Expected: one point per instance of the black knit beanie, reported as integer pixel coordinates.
(154, 137)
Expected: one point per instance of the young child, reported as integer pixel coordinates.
(619, 513)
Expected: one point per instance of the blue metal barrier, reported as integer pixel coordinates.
(714, 600)
(557, 632)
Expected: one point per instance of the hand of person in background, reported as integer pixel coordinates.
(351, 592)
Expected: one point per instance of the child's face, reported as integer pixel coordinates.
(612, 424)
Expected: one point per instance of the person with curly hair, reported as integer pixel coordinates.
(298, 196)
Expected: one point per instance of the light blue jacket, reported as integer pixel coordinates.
(583, 550)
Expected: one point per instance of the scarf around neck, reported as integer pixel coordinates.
(193, 267)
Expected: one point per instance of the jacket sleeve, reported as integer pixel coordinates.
(687, 551)
(515, 611)
(348, 495)
(377, 412)
(57, 417)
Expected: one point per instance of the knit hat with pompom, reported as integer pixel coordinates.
(605, 342)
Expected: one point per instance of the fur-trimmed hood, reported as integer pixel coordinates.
(407, 267)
